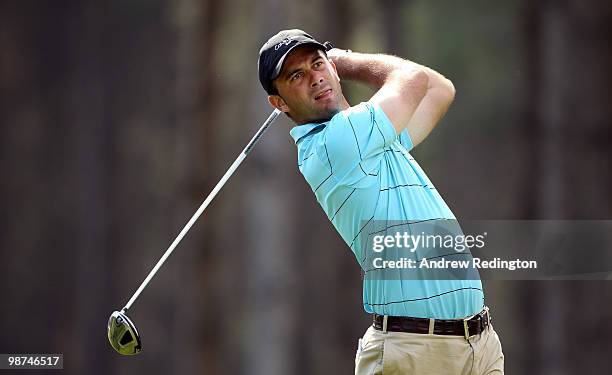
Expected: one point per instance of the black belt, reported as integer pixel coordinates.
(453, 327)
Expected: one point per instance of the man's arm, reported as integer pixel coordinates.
(413, 96)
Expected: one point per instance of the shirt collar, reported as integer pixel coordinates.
(299, 132)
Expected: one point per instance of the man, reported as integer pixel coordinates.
(357, 162)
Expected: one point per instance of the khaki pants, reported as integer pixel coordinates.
(413, 353)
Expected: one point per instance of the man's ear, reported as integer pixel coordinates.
(277, 102)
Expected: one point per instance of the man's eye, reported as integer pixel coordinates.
(296, 76)
(318, 64)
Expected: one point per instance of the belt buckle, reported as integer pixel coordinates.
(466, 328)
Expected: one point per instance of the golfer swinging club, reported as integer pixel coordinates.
(356, 160)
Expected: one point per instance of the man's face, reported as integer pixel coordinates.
(308, 86)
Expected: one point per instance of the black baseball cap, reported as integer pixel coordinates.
(273, 53)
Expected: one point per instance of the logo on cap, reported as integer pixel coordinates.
(286, 42)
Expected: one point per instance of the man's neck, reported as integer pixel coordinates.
(343, 105)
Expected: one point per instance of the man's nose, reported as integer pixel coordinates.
(316, 80)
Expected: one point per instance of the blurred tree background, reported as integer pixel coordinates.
(117, 119)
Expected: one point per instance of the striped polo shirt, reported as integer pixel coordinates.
(361, 171)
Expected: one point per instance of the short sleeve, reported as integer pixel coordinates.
(354, 142)
(405, 140)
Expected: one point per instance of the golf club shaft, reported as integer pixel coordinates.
(205, 204)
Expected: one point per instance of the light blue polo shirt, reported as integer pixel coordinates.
(360, 171)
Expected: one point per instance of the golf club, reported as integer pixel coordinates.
(122, 333)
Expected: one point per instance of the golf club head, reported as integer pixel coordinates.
(122, 334)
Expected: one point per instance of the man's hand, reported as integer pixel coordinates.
(413, 96)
